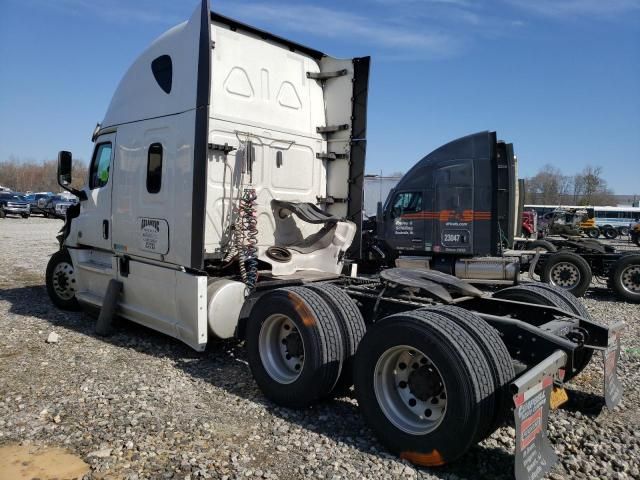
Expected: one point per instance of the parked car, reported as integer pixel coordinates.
(14, 204)
(58, 205)
(38, 202)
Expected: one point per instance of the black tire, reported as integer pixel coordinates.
(552, 296)
(60, 280)
(625, 277)
(623, 231)
(464, 373)
(2, 213)
(572, 303)
(610, 233)
(25, 215)
(569, 271)
(321, 341)
(543, 245)
(496, 354)
(593, 233)
(352, 328)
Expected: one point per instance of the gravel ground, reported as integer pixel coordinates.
(142, 405)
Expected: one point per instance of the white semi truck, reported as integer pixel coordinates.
(225, 191)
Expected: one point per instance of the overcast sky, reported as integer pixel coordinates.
(558, 78)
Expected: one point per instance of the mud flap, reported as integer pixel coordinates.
(534, 455)
(612, 384)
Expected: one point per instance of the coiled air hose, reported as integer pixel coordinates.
(249, 226)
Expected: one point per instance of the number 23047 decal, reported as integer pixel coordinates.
(459, 237)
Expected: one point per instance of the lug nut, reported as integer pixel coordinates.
(412, 402)
(402, 365)
(402, 384)
(427, 412)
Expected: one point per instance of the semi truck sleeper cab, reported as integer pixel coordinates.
(223, 196)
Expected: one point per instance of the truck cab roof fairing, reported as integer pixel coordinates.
(474, 146)
(139, 96)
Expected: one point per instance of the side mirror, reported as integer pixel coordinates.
(64, 168)
(65, 164)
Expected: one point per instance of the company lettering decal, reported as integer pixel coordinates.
(402, 227)
(150, 228)
(153, 235)
(448, 216)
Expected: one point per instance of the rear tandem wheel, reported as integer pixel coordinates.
(294, 346)
(424, 386)
(544, 294)
(352, 328)
(496, 354)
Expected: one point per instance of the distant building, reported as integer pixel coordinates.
(376, 189)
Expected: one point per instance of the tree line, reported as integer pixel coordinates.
(21, 176)
(548, 187)
(551, 187)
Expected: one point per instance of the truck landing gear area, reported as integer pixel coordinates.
(234, 219)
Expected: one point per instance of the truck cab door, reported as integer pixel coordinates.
(404, 222)
(94, 222)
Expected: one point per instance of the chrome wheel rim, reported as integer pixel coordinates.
(64, 281)
(410, 390)
(630, 279)
(281, 349)
(565, 275)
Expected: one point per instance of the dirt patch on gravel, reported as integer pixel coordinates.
(26, 462)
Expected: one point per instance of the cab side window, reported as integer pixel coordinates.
(407, 202)
(100, 165)
(154, 168)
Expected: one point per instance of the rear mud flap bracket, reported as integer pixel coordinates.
(534, 455)
(612, 384)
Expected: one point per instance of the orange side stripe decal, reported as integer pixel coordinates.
(447, 215)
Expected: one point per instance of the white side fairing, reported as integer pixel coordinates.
(338, 105)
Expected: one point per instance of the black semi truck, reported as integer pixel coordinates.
(459, 210)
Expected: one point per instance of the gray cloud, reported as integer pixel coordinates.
(332, 23)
